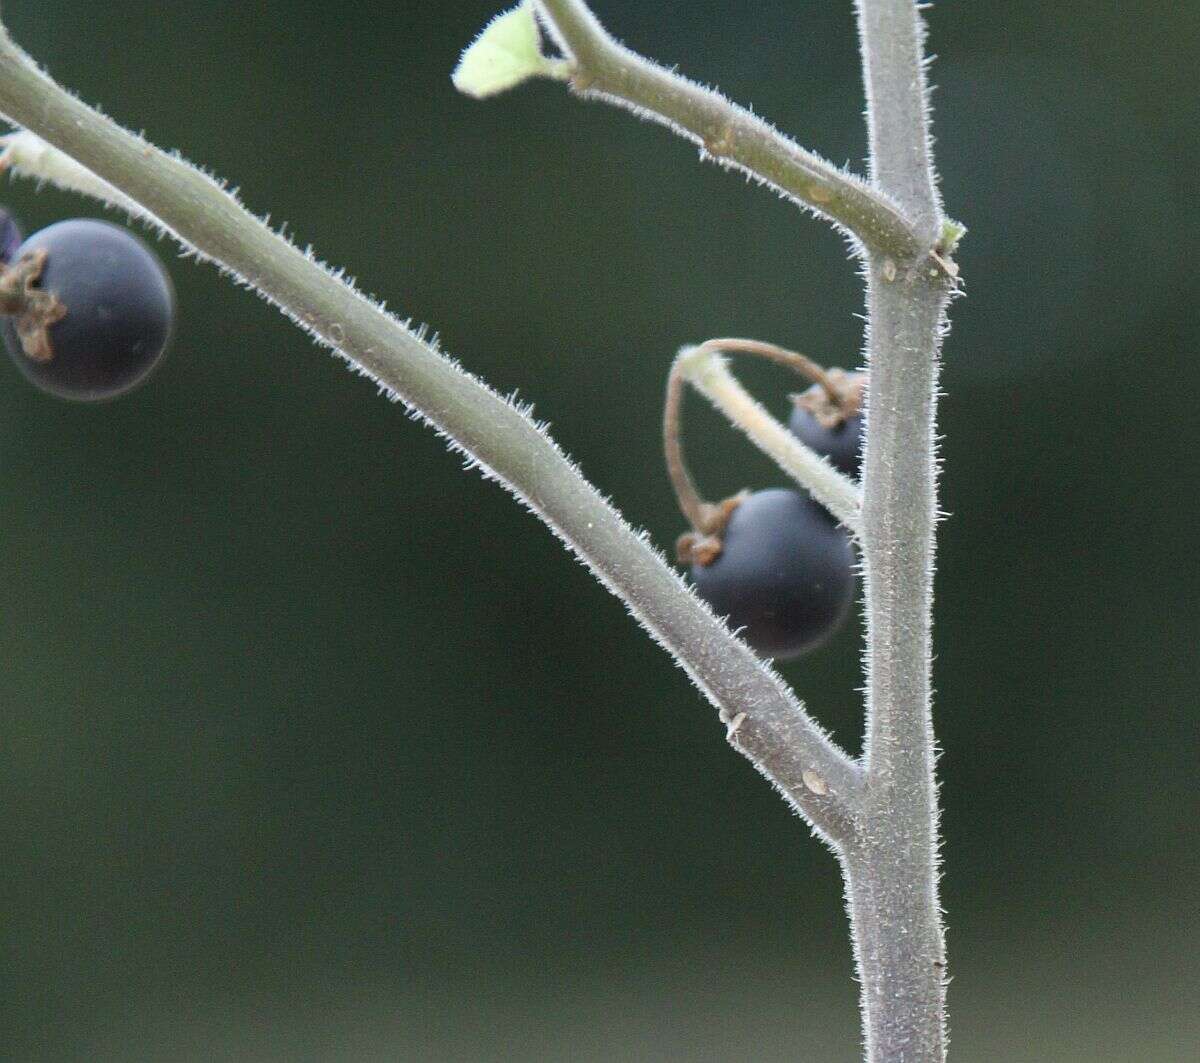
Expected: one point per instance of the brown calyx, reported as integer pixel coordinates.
(836, 400)
(704, 545)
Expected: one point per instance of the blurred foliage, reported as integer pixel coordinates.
(315, 748)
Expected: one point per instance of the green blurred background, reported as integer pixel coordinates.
(315, 748)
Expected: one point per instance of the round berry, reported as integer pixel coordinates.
(840, 443)
(784, 576)
(115, 316)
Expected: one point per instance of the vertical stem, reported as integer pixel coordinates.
(772, 728)
(891, 868)
(892, 872)
(892, 39)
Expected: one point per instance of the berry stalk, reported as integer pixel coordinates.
(706, 370)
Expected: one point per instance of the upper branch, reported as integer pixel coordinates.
(765, 721)
(604, 69)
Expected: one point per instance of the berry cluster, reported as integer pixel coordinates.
(775, 563)
(88, 308)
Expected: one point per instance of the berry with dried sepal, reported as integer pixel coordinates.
(781, 570)
(90, 308)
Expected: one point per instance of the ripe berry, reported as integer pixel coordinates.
(840, 442)
(785, 573)
(117, 309)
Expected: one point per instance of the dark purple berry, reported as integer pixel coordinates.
(841, 443)
(117, 310)
(784, 576)
(10, 237)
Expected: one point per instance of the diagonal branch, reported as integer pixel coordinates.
(606, 70)
(764, 720)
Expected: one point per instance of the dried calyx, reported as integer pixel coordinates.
(33, 310)
(703, 546)
(833, 400)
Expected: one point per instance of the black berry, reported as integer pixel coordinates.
(784, 576)
(115, 314)
(841, 443)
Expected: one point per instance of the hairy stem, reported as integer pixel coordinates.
(892, 38)
(772, 728)
(606, 70)
(892, 870)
